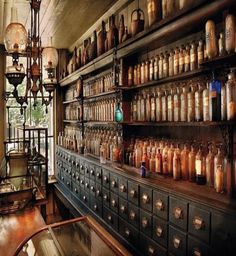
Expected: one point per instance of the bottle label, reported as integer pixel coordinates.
(187, 59)
(213, 94)
(181, 61)
(153, 106)
(198, 167)
(193, 57)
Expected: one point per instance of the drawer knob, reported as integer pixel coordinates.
(67, 183)
(109, 218)
(145, 198)
(196, 252)
(98, 192)
(84, 198)
(132, 215)
(178, 213)
(123, 208)
(122, 188)
(76, 165)
(176, 242)
(82, 182)
(73, 175)
(198, 223)
(159, 231)
(76, 191)
(62, 178)
(77, 177)
(98, 175)
(159, 205)
(105, 179)
(127, 232)
(113, 183)
(73, 162)
(105, 197)
(144, 222)
(95, 207)
(151, 250)
(113, 203)
(133, 193)
(86, 185)
(81, 167)
(92, 172)
(92, 188)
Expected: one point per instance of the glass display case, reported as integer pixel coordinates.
(81, 236)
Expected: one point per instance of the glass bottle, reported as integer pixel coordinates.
(146, 72)
(215, 99)
(130, 76)
(200, 168)
(210, 167)
(142, 73)
(230, 33)
(170, 105)
(191, 165)
(221, 44)
(159, 162)
(198, 103)
(145, 159)
(158, 106)
(231, 96)
(176, 61)
(223, 102)
(164, 9)
(156, 63)
(102, 154)
(181, 59)
(200, 53)
(170, 155)
(165, 65)
(171, 63)
(151, 70)
(164, 107)
(138, 74)
(142, 108)
(138, 103)
(205, 96)
(165, 160)
(191, 105)
(153, 106)
(219, 172)
(152, 162)
(148, 107)
(183, 104)
(187, 58)
(211, 45)
(135, 75)
(193, 57)
(176, 164)
(134, 109)
(184, 160)
(160, 66)
(176, 105)
(118, 113)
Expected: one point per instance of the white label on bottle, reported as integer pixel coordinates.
(198, 167)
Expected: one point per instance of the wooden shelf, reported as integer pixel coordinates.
(70, 101)
(101, 123)
(73, 121)
(102, 94)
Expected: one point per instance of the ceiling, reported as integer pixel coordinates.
(63, 20)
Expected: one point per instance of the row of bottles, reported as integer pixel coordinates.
(104, 143)
(71, 93)
(102, 110)
(181, 161)
(99, 85)
(73, 111)
(71, 139)
(181, 59)
(196, 101)
(227, 39)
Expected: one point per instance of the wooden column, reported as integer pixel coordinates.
(2, 103)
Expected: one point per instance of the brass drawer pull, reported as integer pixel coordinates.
(77, 177)
(82, 182)
(76, 165)
(196, 252)
(151, 250)
(67, 183)
(127, 232)
(92, 188)
(105, 197)
(84, 198)
(178, 213)
(113, 203)
(176, 242)
(144, 222)
(105, 179)
(81, 167)
(123, 208)
(109, 218)
(145, 198)
(132, 215)
(98, 175)
(95, 207)
(159, 205)
(76, 191)
(198, 223)
(159, 231)
(122, 188)
(98, 193)
(92, 172)
(86, 185)
(133, 193)
(113, 183)
(62, 178)
(73, 175)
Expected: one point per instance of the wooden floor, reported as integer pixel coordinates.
(15, 228)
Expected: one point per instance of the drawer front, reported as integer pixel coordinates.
(146, 223)
(133, 215)
(106, 197)
(87, 170)
(67, 170)
(77, 164)
(67, 182)
(114, 183)
(123, 187)
(197, 248)
(160, 231)
(84, 196)
(178, 212)
(110, 218)
(160, 204)
(73, 163)
(223, 235)
(146, 198)
(133, 192)
(123, 208)
(177, 242)
(73, 174)
(114, 202)
(98, 174)
(76, 189)
(77, 178)
(86, 184)
(130, 233)
(106, 178)
(92, 172)
(98, 191)
(82, 181)
(96, 206)
(199, 223)
(82, 167)
(150, 248)
(92, 188)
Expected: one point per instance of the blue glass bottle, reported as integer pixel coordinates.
(143, 170)
(118, 113)
(215, 99)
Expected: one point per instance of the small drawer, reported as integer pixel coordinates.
(73, 162)
(77, 164)
(87, 170)
(130, 233)
(106, 197)
(160, 231)
(146, 223)
(92, 188)
(177, 242)
(86, 184)
(178, 212)
(146, 198)
(133, 215)
(98, 174)
(160, 204)
(110, 218)
(82, 167)
(123, 187)
(76, 189)
(98, 191)
(197, 248)
(67, 182)
(73, 174)
(106, 178)
(114, 202)
(77, 178)
(92, 172)
(199, 223)
(133, 192)
(123, 208)
(82, 181)
(96, 206)
(114, 183)
(84, 196)
(150, 248)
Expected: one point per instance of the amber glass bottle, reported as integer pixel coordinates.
(191, 165)
(210, 167)
(176, 164)
(184, 159)
(159, 162)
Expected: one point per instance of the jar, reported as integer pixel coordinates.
(200, 53)
(151, 70)
(158, 106)
(191, 105)
(170, 106)
(198, 104)
(181, 60)
(230, 33)
(164, 107)
(165, 65)
(146, 72)
(142, 73)
(205, 96)
(193, 57)
(176, 62)
(160, 66)
(211, 45)
(176, 106)
(183, 104)
(231, 96)
(171, 63)
(187, 59)
(156, 71)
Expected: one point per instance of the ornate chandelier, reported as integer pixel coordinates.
(20, 44)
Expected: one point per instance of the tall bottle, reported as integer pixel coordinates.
(121, 28)
(176, 164)
(154, 11)
(223, 102)
(112, 34)
(215, 99)
(160, 66)
(171, 63)
(181, 59)
(230, 33)
(176, 61)
(159, 163)
(164, 107)
(156, 71)
(231, 96)
(193, 57)
(200, 168)
(198, 104)
(170, 155)
(148, 107)
(170, 105)
(191, 105)
(165, 65)
(183, 104)
(200, 53)
(176, 105)
(210, 167)
(205, 96)
(191, 165)
(153, 106)
(219, 172)
(184, 160)
(211, 44)
(187, 58)
(158, 106)
(165, 160)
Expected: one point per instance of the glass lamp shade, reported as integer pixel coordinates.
(50, 57)
(15, 38)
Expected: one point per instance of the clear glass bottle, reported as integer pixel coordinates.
(193, 57)
(158, 106)
(170, 102)
(152, 162)
(187, 58)
(191, 165)
(164, 107)
(165, 65)
(181, 59)
(219, 172)
(142, 73)
(160, 66)
(231, 96)
(184, 104)
(153, 106)
(200, 53)
(221, 44)
(200, 168)
(198, 103)
(171, 63)
(176, 105)
(156, 65)
(191, 105)
(151, 70)
(176, 61)
(205, 96)
(176, 164)
(184, 160)
(210, 167)
(138, 103)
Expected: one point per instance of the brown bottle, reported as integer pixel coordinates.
(219, 172)
(154, 11)
(200, 168)
(170, 7)
(205, 96)
(121, 28)
(135, 75)
(152, 162)
(112, 34)
(130, 76)
(148, 107)
(181, 60)
(211, 44)
(170, 155)
(191, 105)
(198, 104)
(176, 62)
(164, 9)
(155, 66)
(126, 34)
(200, 53)
(191, 165)
(165, 160)
(170, 104)
(151, 70)
(176, 105)
(176, 164)
(159, 163)
(171, 63)
(101, 38)
(160, 66)
(165, 65)
(183, 104)
(158, 105)
(142, 72)
(193, 57)
(210, 168)
(164, 107)
(184, 159)
(221, 44)
(231, 96)
(146, 72)
(187, 59)
(138, 74)
(230, 33)
(153, 106)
